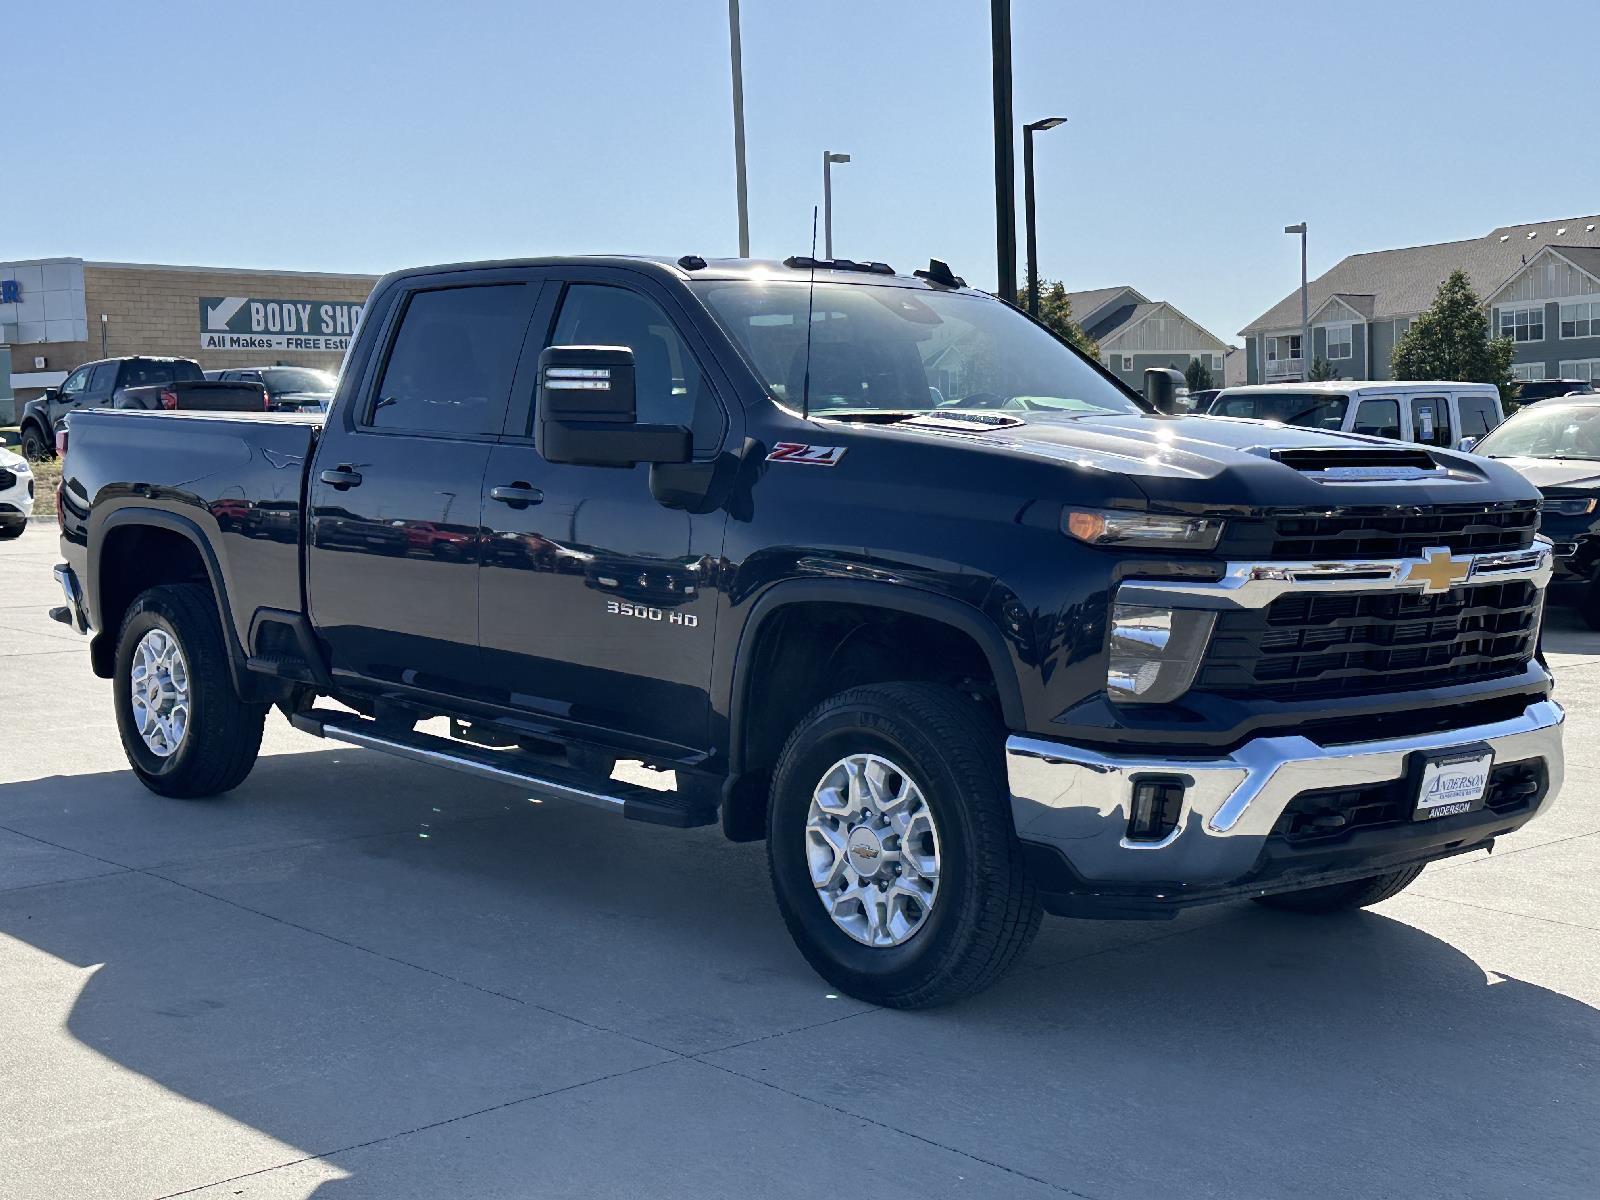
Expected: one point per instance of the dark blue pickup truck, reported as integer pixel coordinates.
(877, 567)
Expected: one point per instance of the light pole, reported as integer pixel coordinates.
(1305, 311)
(738, 128)
(1027, 206)
(828, 159)
(1005, 172)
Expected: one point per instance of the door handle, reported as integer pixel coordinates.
(517, 495)
(342, 477)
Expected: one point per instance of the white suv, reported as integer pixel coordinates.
(16, 494)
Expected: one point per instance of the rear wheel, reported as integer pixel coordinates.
(184, 729)
(1342, 897)
(893, 855)
(12, 531)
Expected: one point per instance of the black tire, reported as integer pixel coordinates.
(986, 910)
(1589, 606)
(35, 447)
(8, 532)
(1342, 897)
(223, 736)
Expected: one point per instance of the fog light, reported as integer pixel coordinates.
(1157, 801)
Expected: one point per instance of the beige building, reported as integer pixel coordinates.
(59, 312)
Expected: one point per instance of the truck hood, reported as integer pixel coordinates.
(1223, 462)
(1556, 472)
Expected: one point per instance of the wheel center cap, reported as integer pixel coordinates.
(866, 850)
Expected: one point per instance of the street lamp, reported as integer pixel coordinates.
(828, 159)
(1305, 311)
(1027, 192)
(743, 193)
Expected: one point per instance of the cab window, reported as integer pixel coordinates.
(1378, 418)
(669, 387)
(1430, 421)
(450, 366)
(73, 387)
(1478, 415)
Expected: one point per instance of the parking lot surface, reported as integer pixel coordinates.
(359, 977)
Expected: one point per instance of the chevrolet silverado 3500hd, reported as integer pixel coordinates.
(886, 573)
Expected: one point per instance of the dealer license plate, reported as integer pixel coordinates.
(1453, 783)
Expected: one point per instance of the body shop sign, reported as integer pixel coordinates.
(245, 323)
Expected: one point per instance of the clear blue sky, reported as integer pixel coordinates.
(363, 136)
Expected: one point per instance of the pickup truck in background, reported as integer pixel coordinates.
(883, 573)
(289, 389)
(136, 382)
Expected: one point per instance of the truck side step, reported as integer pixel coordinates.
(510, 766)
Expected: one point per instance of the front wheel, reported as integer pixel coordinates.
(184, 729)
(893, 855)
(8, 532)
(34, 446)
(1342, 897)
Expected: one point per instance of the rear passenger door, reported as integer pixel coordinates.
(394, 542)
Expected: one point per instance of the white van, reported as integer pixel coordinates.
(1435, 414)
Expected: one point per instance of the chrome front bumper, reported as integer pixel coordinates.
(1077, 801)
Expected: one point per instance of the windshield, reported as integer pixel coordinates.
(297, 379)
(1307, 409)
(1548, 431)
(894, 349)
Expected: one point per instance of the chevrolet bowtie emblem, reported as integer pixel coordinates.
(1438, 572)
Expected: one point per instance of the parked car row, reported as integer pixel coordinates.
(147, 382)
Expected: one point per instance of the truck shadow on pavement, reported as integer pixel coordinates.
(343, 976)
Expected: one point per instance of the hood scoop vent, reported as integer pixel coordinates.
(965, 421)
(1365, 465)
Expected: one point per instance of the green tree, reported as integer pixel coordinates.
(1055, 310)
(1322, 369)
(1451, 341)
(1198, 376)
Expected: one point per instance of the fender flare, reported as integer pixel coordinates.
(156, 518)
(896, 597)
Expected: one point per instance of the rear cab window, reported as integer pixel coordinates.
(1479, 414)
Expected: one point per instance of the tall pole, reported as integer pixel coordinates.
(738, 128)
(827, 205)
(1028, 222)
(1305, 308)
(1005, 174)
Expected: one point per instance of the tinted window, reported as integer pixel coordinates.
(293, 379)
(1430, 421)
(668, 385)
(450, 368)
(1308, 410)
(137, 373)
(1478, 415)
(103, 379)
(1378, 418)
(75, 382)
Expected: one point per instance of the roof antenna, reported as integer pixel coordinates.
(811, 291)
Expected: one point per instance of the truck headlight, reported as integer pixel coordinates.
(1568, 507)
(1156, 531)
(1155, 652)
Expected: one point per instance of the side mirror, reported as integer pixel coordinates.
(1466, 444)
(1161, 386)
(587, 415)
(51, 395)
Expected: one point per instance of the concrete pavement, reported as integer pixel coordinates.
(356, 977)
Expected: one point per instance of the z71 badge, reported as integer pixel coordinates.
(811, 456)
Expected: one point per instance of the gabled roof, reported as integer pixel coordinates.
(1403, 282)
(1086, 304)
(1148, 309)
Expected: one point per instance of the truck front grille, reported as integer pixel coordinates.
(1391, 531)
(1319, 645)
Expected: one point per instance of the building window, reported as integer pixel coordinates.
(1272, 349)
(1523, 324)
(1582, 368)
(1339, 341)
(1216, 362)
(1127, 362)
(1527, 372)
(1581, 319)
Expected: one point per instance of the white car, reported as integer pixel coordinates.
(16, 494)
